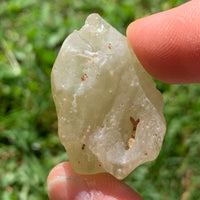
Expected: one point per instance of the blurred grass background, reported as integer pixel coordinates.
(31, 33)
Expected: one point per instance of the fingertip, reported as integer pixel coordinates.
(167, 43)
(132, 29)
(64, 184)
(148, 44)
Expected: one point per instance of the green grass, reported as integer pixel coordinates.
(31, 33)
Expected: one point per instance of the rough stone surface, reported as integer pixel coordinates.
(109, 111)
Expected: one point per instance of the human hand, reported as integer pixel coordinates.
(168, 46)
(168, 43)
(64, 184)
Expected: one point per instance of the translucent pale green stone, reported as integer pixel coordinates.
(100, 90)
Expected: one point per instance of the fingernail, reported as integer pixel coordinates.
(57, 189)
(57, 183)
(64, 184)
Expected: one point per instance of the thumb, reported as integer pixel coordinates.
(168, 43)
(64, 184)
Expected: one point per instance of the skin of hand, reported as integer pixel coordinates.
(168, 43)
(168, 46)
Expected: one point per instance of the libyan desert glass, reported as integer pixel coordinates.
(109, 110)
